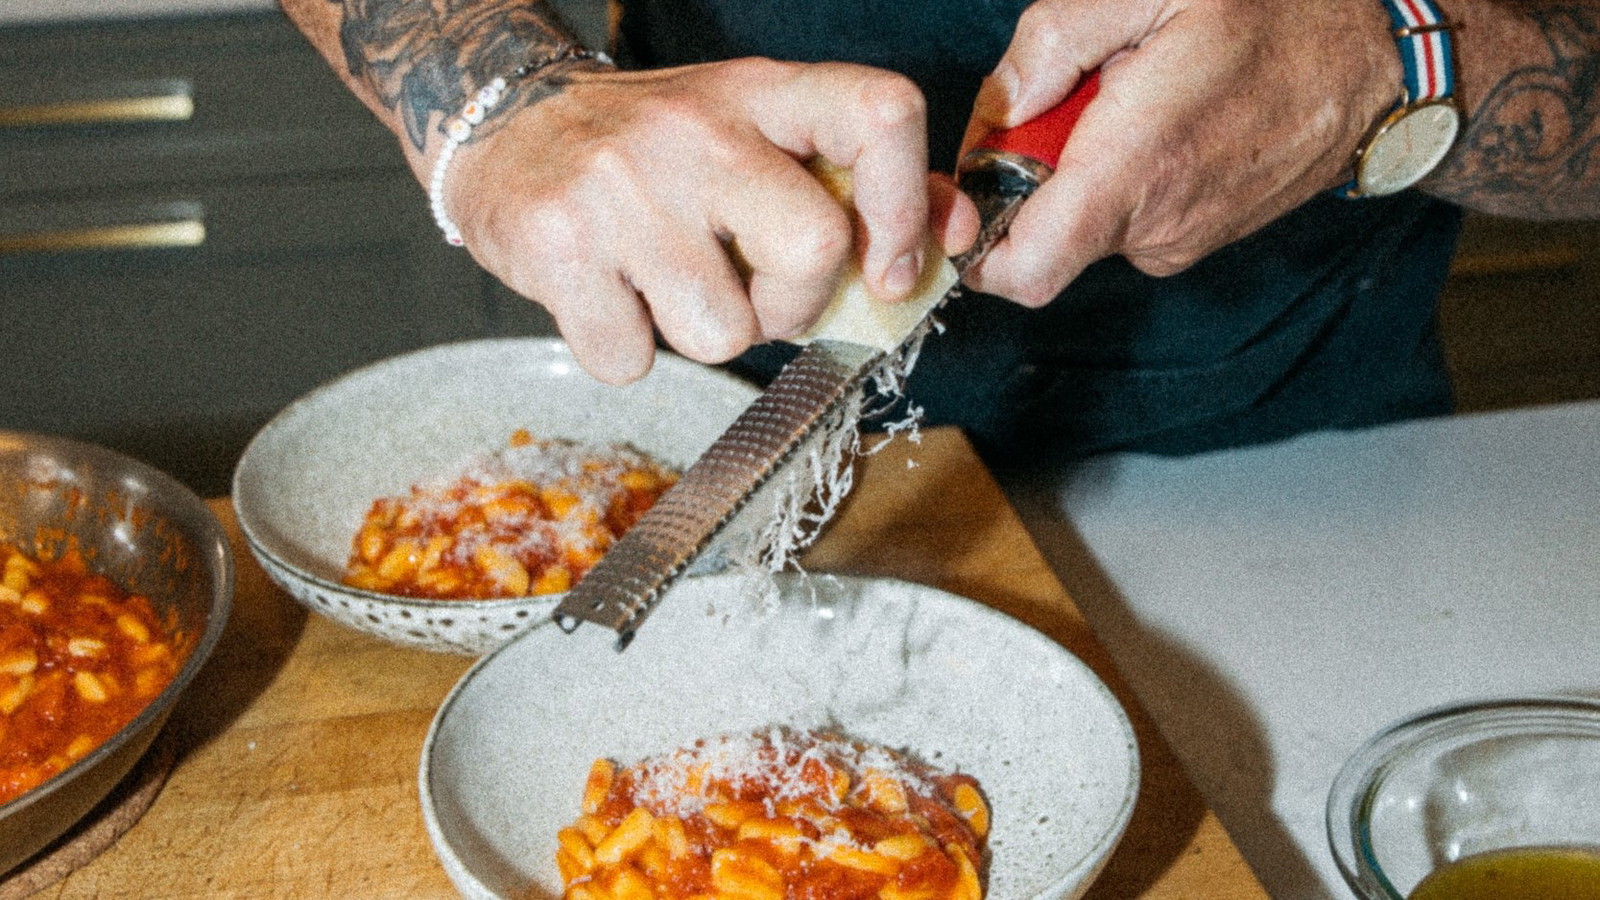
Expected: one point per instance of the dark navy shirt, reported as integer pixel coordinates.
(1323, 319)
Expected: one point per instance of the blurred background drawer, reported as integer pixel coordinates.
(1520, 314)
(177, 350)
(89, 106)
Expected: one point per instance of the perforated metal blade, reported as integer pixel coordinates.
(627, 582)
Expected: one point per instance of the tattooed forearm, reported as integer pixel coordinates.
(1530, 147)
(423, 57)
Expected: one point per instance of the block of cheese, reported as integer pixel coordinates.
(853, 315)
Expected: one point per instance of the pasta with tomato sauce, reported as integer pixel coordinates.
(529, 520)
(776, 815)
(79, 658)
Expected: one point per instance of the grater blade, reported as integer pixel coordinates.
(626, 582)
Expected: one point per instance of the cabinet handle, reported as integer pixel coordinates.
(1551, 258)
(173, 106)
(140, 236)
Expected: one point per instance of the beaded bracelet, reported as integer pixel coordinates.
(474, 111)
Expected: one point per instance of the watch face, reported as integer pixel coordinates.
(1407, 147)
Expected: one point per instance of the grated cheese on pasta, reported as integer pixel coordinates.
(531, 518)
(772, 815)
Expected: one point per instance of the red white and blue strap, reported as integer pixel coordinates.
(1424, 39)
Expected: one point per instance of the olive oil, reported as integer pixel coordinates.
(1522, 873)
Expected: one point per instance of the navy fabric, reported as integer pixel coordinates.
(1326, 318)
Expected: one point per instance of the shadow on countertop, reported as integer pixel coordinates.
(1248, 791)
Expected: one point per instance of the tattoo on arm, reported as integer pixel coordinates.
(428, 56)
(1532, 148)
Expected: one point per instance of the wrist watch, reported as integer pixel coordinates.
(1414, 136)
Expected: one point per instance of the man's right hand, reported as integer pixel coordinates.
(615, 202)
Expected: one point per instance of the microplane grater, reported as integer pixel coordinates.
(627, 582)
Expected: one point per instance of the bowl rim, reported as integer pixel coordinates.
(537, 343)
(1355, 786)
(212, 539)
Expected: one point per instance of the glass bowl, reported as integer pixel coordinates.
(1463, 780)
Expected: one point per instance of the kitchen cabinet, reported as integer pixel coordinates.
(198, 224)
(1520, 314)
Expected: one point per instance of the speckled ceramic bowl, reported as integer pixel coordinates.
(149, 534)
(307, 479)
(906, 666)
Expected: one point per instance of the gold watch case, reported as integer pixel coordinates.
(1406, 145)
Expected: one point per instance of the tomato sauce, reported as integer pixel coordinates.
(79, 658)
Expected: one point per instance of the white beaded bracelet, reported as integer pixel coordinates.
(460, 128)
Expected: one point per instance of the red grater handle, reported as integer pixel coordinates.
(1041, 139)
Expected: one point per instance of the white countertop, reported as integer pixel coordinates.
(1275, 606)
(30, 12)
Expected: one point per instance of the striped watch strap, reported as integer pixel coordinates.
(1424, 39)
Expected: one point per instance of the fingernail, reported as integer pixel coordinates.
(902, 275)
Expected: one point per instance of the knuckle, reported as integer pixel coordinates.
(1041, 25)
(551, 225)
(608, 169)
(667, 111)
(703, 319)
(892, 101)
(904, 217)
(547, 214)
(758, 69)
(781, 323)
(780, 312)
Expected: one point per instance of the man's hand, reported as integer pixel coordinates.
(1214, 118)
(678, 200)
